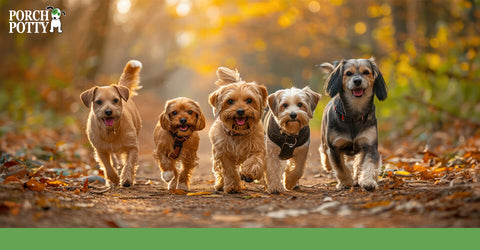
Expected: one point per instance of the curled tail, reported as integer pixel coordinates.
(131, 76)
(227, 76)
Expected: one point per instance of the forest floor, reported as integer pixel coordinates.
(42, 184)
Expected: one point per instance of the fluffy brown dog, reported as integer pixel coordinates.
(176, 139)
(113, 125)
(237, 134)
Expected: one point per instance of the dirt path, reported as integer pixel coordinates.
(316, 204)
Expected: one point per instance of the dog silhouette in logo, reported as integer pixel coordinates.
(56, 23)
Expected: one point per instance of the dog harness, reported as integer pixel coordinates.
(286, 142)
(177, 145)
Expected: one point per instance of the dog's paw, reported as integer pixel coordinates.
(368, 184)
(246, 178)
(167, 176)
(182, 186)
(234, 189)
(343, 186)
(135, 64)
(275, 190)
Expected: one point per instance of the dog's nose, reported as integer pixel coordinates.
(183, 120)
(240, 111)
(293, 115)
(108, 112)
(357, 82)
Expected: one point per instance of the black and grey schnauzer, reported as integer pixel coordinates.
(349, 126)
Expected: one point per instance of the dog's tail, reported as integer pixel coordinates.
(227, 76)
(327, 68)
(131, 76)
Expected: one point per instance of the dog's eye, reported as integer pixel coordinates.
(299, 104)
(249, 100)
(115, 100)
(285, 105)
(349, 73)
(230, 101)
(174, 113)
(366, 72)
(99, 102)
(190, 112)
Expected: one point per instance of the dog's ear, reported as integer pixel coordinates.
(334, 82)
(213, 101)
(87, 96)
(123, 91)
(200, 117)
(379, 85)
(164, 118)
(263, 95)
(313, 98)
(273, 102)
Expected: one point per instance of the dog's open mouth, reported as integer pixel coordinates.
(183, 128)
(241, 121)
(358, 92)
(109, 121)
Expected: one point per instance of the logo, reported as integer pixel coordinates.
(36, 21)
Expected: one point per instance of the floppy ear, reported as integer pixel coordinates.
(164, 118)
(213, 101)
(313, 98)
(379, 85)
(272, 102)
(335, 81)
(200, 117)
(123, 91)
(263, 94)
(87, 96)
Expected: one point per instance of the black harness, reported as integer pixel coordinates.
(286, 142)
(177, 145)
(340, 111)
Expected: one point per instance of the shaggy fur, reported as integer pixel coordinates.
(349, 126)
(237, 134)
(113, 125)
(291, 110)
(176, 141)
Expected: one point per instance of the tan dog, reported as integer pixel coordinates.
(113, 125)
(237, 134)
(288, 136)
(176, 140)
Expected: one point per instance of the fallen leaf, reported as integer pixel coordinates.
(376, 204)
(34, 185)
(11, 179)
(458, 195)
(166, 211)
(206, 214)
(56, 183)
(178, 192)
(85, 186)
(403, 173)
(199, 193)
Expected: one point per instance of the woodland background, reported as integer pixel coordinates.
(429, 125)
(426, 50)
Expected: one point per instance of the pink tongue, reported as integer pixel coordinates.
(183, 128)
(358, 92)
(240, 121)
(109, 121)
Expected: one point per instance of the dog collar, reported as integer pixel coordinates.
(177, 145)
(286, 142)
(338, 108)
